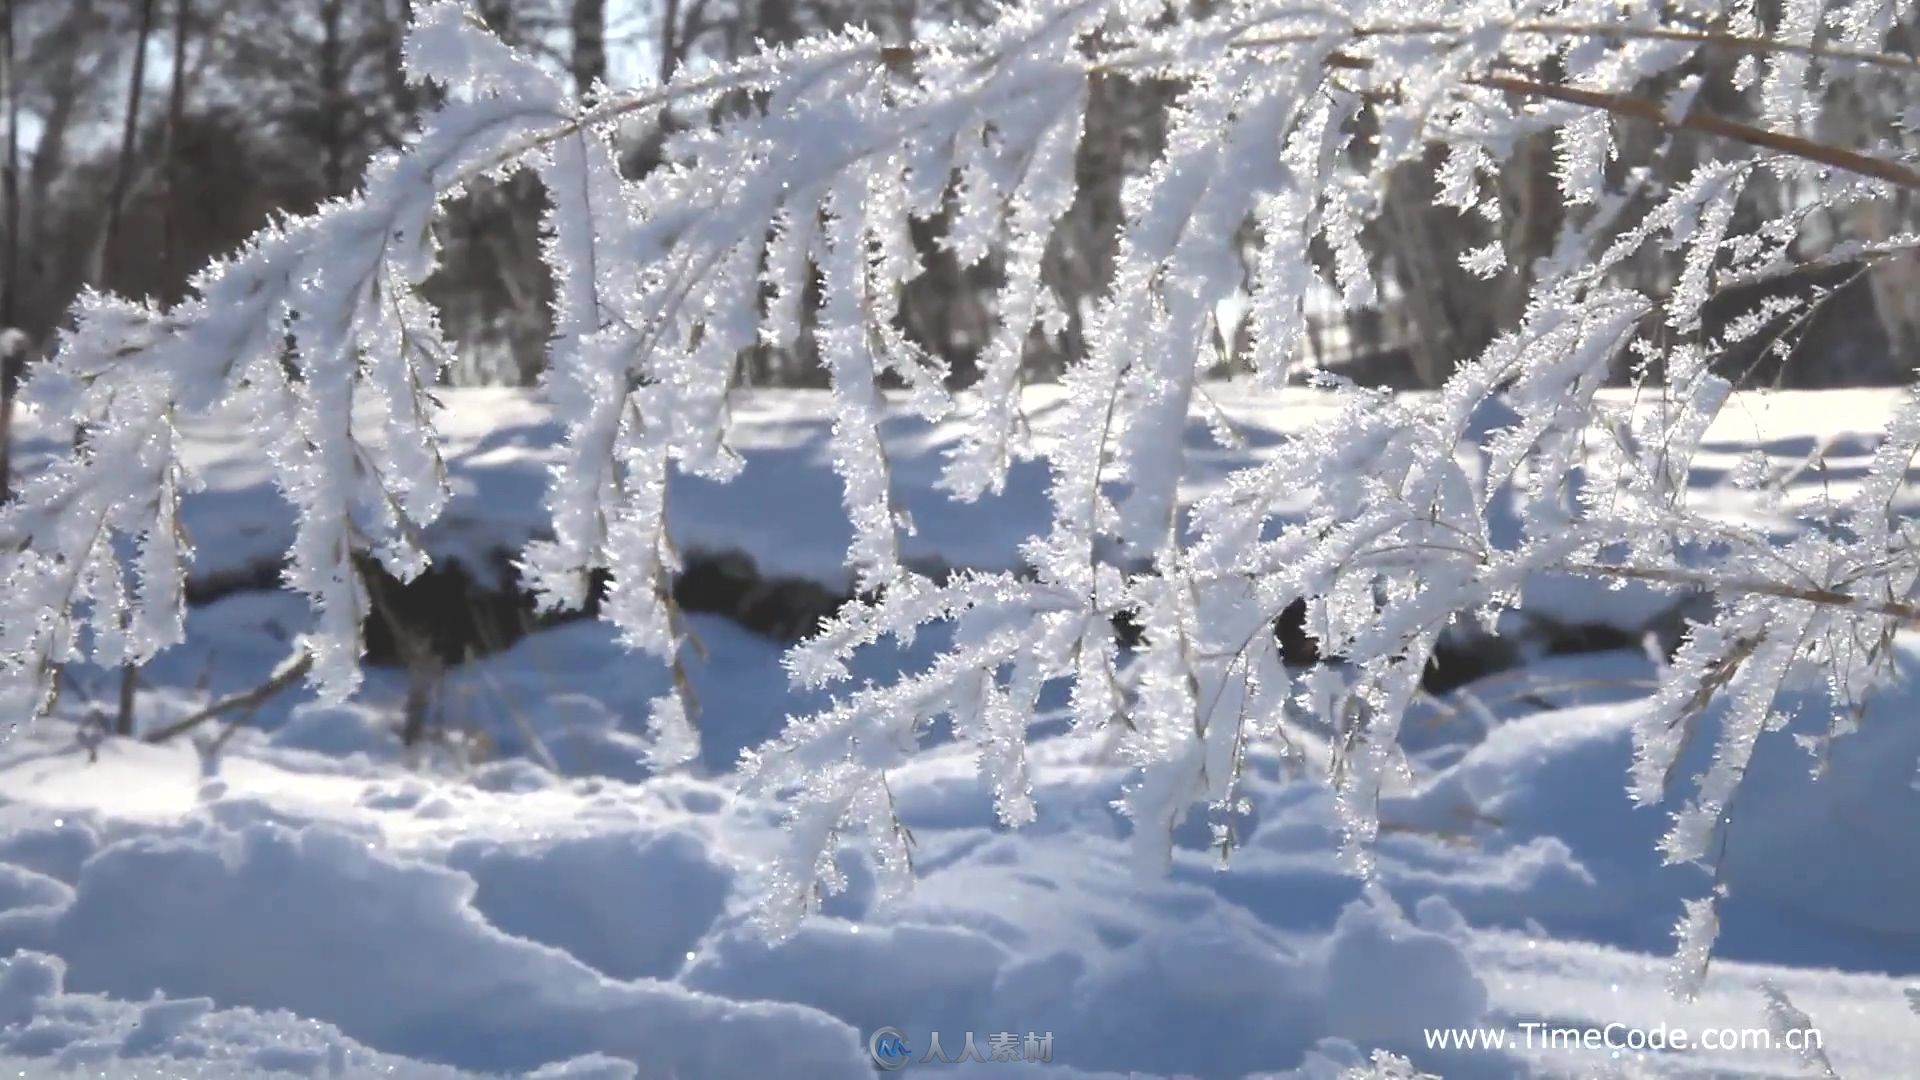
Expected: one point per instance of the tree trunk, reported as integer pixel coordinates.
(333, 100)
(116, 205)
(10, 355)
(64, 86)
(671, 39)
(173, 260)
(129, 133)
(589, 43)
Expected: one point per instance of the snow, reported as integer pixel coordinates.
(318, 901)
(511, 929)
(468, 927)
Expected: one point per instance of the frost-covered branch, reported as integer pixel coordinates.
(812, 164)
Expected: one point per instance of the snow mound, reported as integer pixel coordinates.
(1549, 790)
(321, 923)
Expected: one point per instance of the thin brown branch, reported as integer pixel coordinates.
(1640, 108)
(1708, 38)
(1732, 42)
(285, 676)
(1892, 609)
(1653, 112)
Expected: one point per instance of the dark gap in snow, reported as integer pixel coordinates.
(463, 617)
(250, 577)
(1465, 657)
(1574, 639)
(452, 614)
(730, 585)
(1297, 647)
(1461, 659)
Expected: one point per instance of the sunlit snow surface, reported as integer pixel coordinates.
(320, 905)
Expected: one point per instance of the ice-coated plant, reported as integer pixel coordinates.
(811, 164)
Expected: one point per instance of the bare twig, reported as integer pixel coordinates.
(1892, 609)
(1708, 123)
(536, 746)
(290, 672)
(1731, 42)
(1640, 108)
(1708, 38)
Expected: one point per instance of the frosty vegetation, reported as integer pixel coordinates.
(799, 188)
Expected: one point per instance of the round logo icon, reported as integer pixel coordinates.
(889, 1049)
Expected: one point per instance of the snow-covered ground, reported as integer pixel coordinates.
(314, 901)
